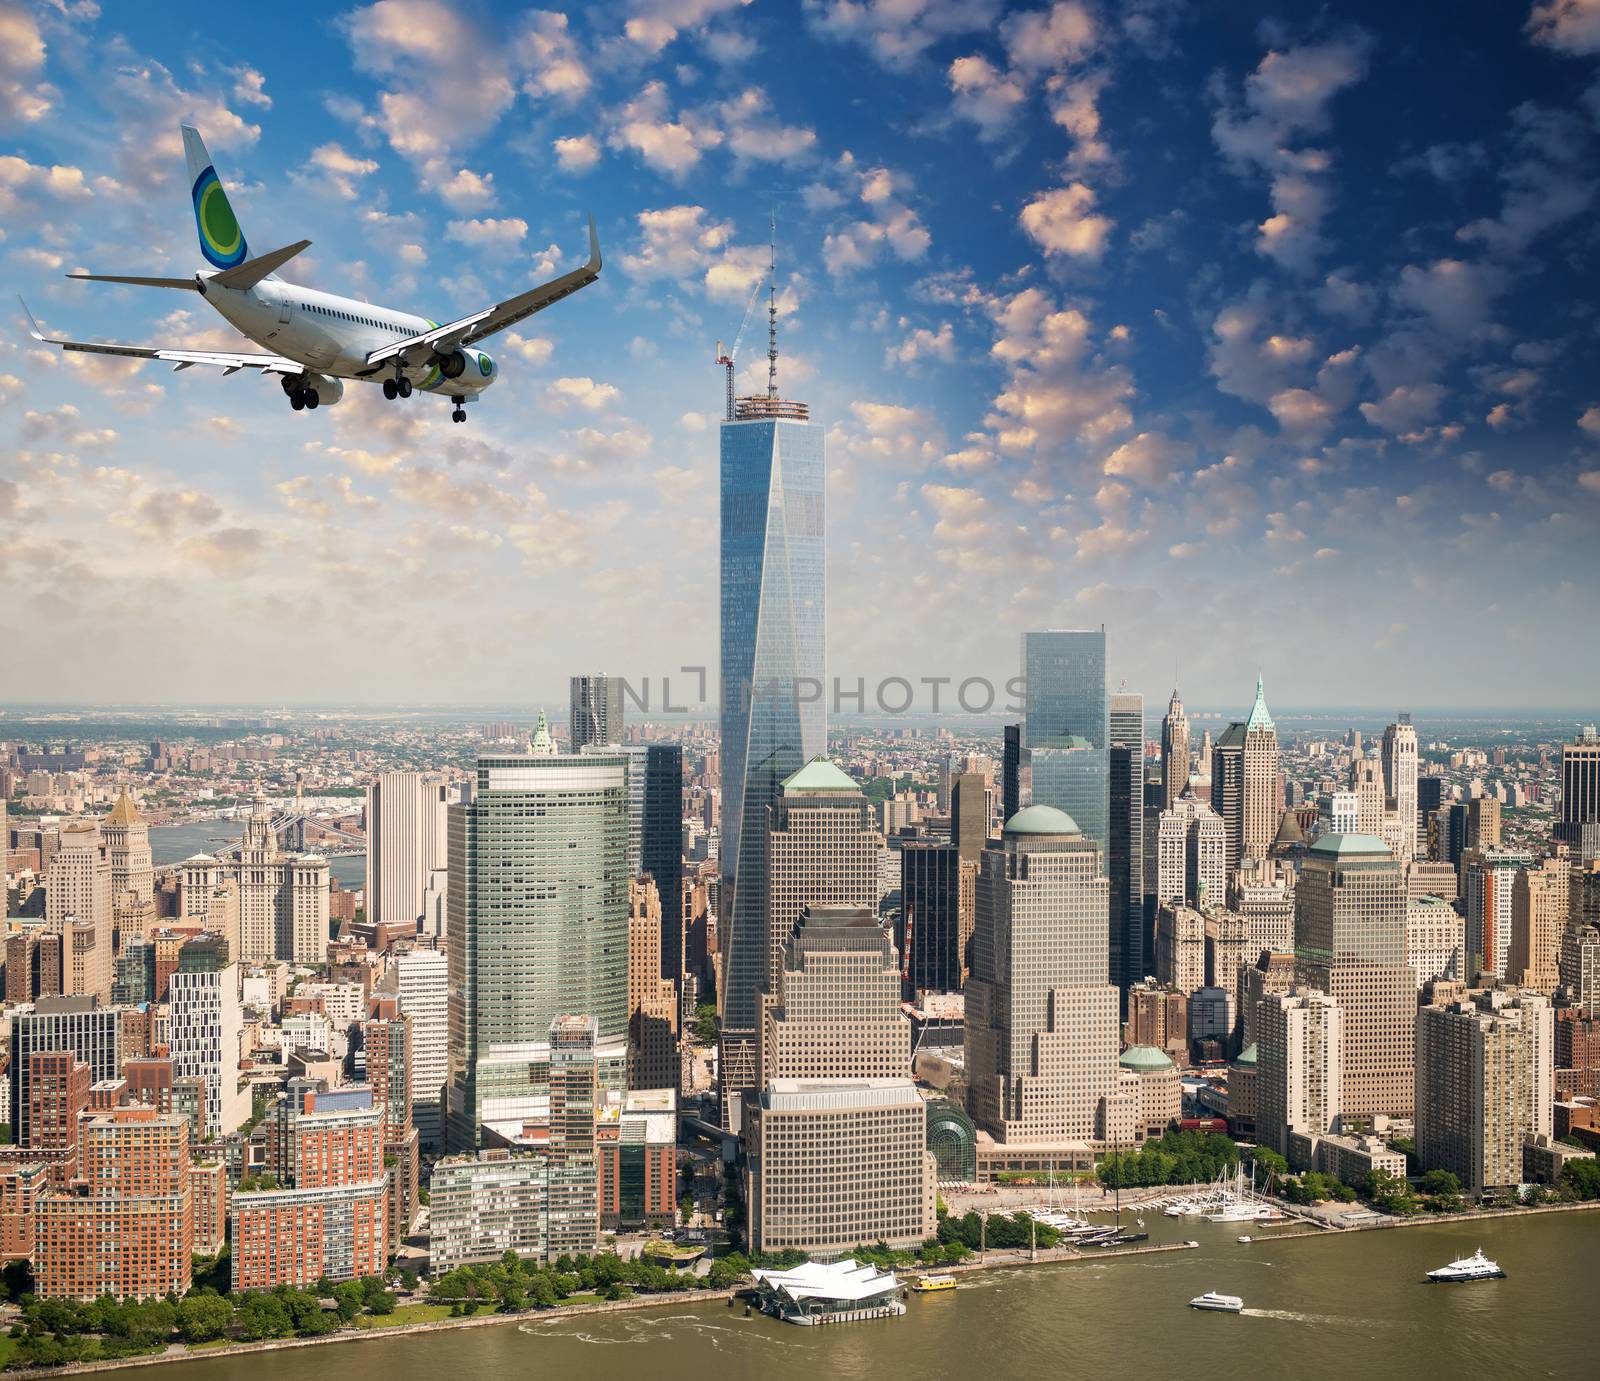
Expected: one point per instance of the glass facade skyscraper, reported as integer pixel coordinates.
(537, 929)
(774, 613)
(1065, 727)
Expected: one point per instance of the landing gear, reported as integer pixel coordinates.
(397, 387)
(297, 400)
(300, 397)
(403, 384)
(460, 414)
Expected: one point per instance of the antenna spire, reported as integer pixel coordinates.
(772, 311)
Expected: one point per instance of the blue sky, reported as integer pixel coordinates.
(1265, 335)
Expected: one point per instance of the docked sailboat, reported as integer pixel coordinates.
(1474, 1267)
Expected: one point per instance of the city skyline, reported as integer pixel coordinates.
(1329, 367)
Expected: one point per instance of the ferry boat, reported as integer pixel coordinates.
(1222, 1304)
(1245, 1241)
(1474, 1267)
(927, 1285)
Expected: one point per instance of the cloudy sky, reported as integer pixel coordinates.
(1265, 335)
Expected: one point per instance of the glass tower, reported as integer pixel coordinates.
(773, 622)
(1066, 729)
(537, 930)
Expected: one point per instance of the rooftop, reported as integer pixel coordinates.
(840, 1280)
(1041, 819)
(1144, 1057)
(1259, 718)
(1350, 846)
(820, 775)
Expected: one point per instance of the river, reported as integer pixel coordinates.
(173, 843)
(1314, 1308)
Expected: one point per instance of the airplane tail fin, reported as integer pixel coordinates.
(221, 240)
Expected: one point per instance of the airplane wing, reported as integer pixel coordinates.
(468, 330)
(228, 361)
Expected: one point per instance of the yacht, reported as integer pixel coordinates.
(1474, 1267)
(1222, 1304)
(929, 1285)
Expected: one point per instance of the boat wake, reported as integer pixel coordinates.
(660, 1328)
(1292, 1316)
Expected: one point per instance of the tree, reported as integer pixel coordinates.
(1389, 1193)
(263, 1316)
(376, 1296)
(1582, 1178)
(349, 1299)
(202, 1318)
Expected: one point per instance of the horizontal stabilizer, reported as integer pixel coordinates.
(138, 281)
(252, 271)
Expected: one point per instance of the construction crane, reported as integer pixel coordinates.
(726, 360)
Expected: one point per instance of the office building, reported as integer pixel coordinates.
(78, 907)
(1180, 949)
(282, 898)
(1436, 941)
(1041, 1019)
(1484, 1085)
(78, 1025)
(1191, 853)
(936, 892)
(538, 926)
(1579, 823)
(1066, 726)
(127, 841)
(1261, 803)
(652, 999)
(1580, 967)
(1227, 789)
(821, 850)
(661, 847)
(836, 1144)
(1016, 773)
(1266, 901)
(1174, 751)
(773, 668)
(1299, 1068)
(406, 844)
(1350, 943)
(126, 1229)
(1400, 780)
(1125, 838)
(1367, 785)
(1483, 823)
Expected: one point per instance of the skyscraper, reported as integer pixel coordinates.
(1125, 838)
(1579, 825)
(78, 908)
(661, 847)
(595, 712)
(405, 843)
(1174, 750)
(127, 840)
(538, 927)
(1350, 942)
(1260, 809)
(931, 939)
(821, 850)
(1016, 774)
(1227, 789)
(1041, 1020)
(421, 979)
(1400, 780)
(1299, 1066)
(774, 622)
(1066, 726)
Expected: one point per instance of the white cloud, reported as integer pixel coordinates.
(756, 135)
(669, 144)
(341, 170)
(536, 350)
(923, 344)
(1546, 178)
(250, 88)
(1589, 421)
(1148, 459)
(898, 32)
(1456, 295)
(1289, 95)
(23, 97)
(653, 24)
(1573, 26)
(1063, 221)
(547, 49)
(580, 391)
(1058, 37)
(1405, 410)
(986, 96)
(488, 233)
(894, 225)
(577, 153)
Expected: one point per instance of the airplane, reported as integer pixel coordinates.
(317, 340)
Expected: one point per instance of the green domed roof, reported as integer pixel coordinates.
(1350, 845)
(1248, 1056)
(1041, 819)
(820, 775)
(1144, 1057)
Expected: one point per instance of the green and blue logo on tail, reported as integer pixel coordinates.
(221, 240)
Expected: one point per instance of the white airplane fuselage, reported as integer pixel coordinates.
(333, 336)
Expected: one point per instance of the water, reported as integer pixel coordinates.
(174, 843)
(1314, 1309)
